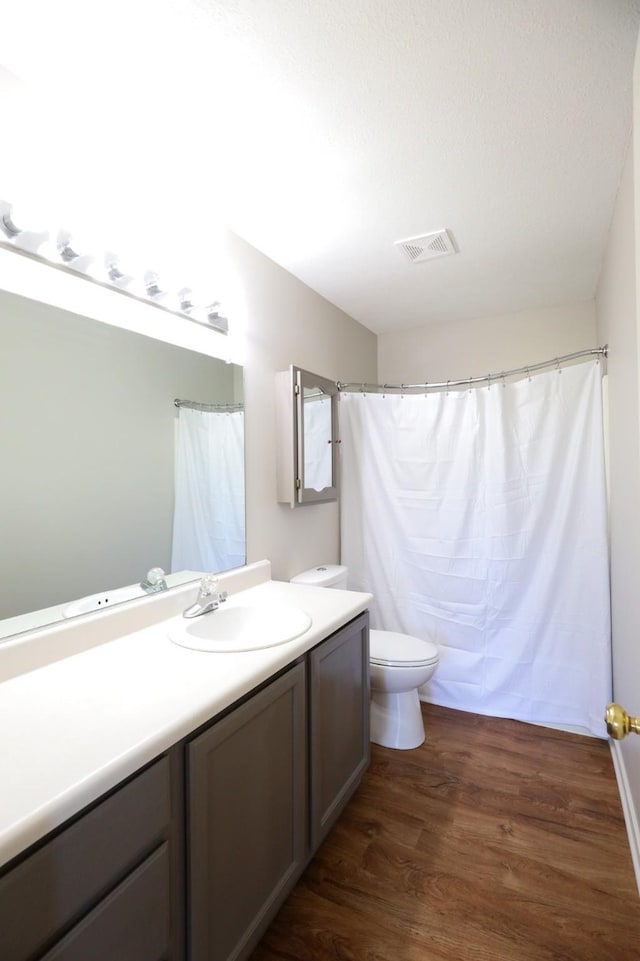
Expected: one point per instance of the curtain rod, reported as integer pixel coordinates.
(555, 362)
(194, 405)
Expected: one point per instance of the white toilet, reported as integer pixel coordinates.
(400, 664)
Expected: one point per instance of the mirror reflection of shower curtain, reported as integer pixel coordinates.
(209, 513)
(318, 470)
(478, 518)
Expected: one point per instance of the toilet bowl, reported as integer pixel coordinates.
(400, 664)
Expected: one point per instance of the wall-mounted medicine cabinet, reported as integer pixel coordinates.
(307, 424)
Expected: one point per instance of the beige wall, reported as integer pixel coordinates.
(617, 324)
(451, 351)
(287, 323)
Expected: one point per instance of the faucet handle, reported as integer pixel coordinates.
(155, 576)
(208, 585)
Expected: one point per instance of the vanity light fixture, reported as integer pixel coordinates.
(57, 249)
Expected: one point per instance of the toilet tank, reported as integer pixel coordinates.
(328, 575)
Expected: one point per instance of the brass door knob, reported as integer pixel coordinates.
(619, 723)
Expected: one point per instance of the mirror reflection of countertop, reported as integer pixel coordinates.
(47, 616)
(80, 710)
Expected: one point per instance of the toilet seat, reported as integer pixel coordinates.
(390, 649)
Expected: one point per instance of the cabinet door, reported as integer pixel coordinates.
(339, 722)
(247, 818)
(131, 924)
(52, 888)
(307, 437)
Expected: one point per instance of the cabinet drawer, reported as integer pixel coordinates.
(51, 889)
(131, 924)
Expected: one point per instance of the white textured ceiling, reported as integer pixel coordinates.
(322, 131)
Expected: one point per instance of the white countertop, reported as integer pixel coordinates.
(76, 726)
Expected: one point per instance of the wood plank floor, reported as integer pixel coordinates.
(494, 841)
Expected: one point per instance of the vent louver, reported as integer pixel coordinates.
(426, 247)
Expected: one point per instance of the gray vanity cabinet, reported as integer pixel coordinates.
(247, 818)
(107, 885)
(338, 723)
(256, 789)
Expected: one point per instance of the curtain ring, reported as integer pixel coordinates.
(488, 379)
(558, 365)
(526, 370)
(447, 393)
(503, 383)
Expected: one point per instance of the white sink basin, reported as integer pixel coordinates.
(240, 628)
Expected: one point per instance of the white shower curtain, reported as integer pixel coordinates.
(209, 514)
(477, 518)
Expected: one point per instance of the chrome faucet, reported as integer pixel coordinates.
(154, 581)
(209, 598)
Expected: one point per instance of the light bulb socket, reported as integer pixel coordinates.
(151, 286)
(214, 319)
(115, 275)
(9, 227)
(184, 299)
(67, 253)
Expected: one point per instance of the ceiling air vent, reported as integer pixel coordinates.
(418, 249)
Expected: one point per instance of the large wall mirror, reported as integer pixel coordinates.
(98, 463)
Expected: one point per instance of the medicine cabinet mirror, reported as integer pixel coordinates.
(307, 437)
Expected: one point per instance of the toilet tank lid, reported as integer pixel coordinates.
(323, 576)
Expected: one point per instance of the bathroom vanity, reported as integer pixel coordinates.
(186, 851)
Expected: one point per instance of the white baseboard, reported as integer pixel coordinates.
(630, 819)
